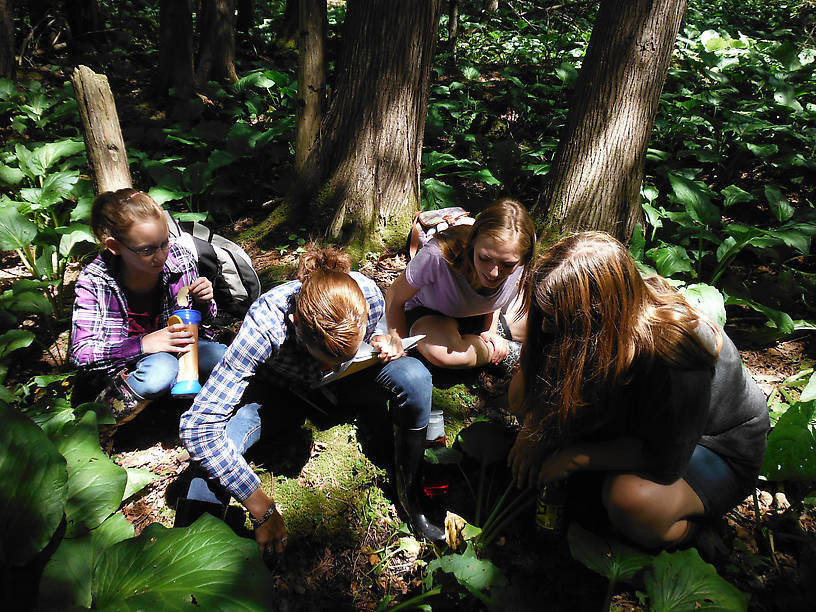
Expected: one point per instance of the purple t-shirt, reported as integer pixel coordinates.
(446, 290)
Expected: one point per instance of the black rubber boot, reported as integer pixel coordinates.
(409, 453)
(188, 510)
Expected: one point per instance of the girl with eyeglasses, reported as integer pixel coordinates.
(124, 299)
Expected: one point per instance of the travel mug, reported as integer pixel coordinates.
(187, 383)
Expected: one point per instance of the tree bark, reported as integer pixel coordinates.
(597, 169)
(107, 157)
(6, 40)
(311, 79)
(175, 47)
(370, 148)
(85, 24)
(216, 47)
(453, 24)
(246, 16)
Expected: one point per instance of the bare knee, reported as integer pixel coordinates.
(634, 508)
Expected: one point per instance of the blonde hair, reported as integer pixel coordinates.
(593, 321)
(114, 212)
(505, 220)
(331, 309)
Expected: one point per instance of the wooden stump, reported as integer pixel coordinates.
(107, 157)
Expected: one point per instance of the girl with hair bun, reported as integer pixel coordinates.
(622, 377)
(124, 299)
(291, 337)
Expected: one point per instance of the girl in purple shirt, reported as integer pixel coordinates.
(457, 287)
(123, 301)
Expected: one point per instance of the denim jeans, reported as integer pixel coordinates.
(404, 381)
(156, 373)
(243, 430)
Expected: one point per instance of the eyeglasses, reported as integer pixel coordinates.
(148, 250)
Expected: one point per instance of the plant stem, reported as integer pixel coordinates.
(411, 603)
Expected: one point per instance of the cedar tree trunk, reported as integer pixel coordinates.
(369, 152)
(6, 40)
(175, 47)
(85, 23)
(597, 170)
(311, 78)
(216, 47)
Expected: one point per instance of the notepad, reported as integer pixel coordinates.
(366, 356)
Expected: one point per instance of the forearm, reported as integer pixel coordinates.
(395, 317)
(618, 455)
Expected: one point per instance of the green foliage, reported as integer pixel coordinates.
(674, 581)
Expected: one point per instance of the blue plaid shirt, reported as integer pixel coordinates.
(266, 344)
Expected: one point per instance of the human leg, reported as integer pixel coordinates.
(446, 347)
(153, 375)
(651, 514)
(207, 495)
(209, 354)
(409, 384)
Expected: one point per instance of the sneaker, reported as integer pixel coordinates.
(122, 401)
(507, 366)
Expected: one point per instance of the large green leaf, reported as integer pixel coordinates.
(66, 579)
(33, 487)
(608, 557)
(791, 453)
(74, 234)
(475, 574)
(10, 176)
(14, 339)
(683, 581)
(96, 485)
(695, 199)
(485, 441)
(28, 162)
(137, 479)
(205, 565)
(734, 195)
(707, 299)
(780, 205)
(781, 320)
(49, 153)
(16, 232)
(670, 259)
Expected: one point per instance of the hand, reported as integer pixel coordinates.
(499, 345)
(202, 290)
(389, 345)
(525, 459)
(171, 339)
(271, 535)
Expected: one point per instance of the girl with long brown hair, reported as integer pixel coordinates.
(620, 375)
(459, 286)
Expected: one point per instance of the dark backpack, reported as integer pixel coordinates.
(229, 268)
(428, 222)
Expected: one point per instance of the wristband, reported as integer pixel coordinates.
(269, 512)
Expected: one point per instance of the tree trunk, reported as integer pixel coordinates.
(246, 16)
(597, 170)
(6, 40)
(175, 47)
(311, 78)
(289, 27)
(453, 24)
(216, 47)
(85, 24)
(371, 142)
(107, 157)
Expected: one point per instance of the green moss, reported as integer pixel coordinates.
(455, 402)
(275, 274)
(336, 489)
(276, 218)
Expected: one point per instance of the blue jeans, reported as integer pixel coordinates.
(404, 381)
(156, 373)
(243, 430)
